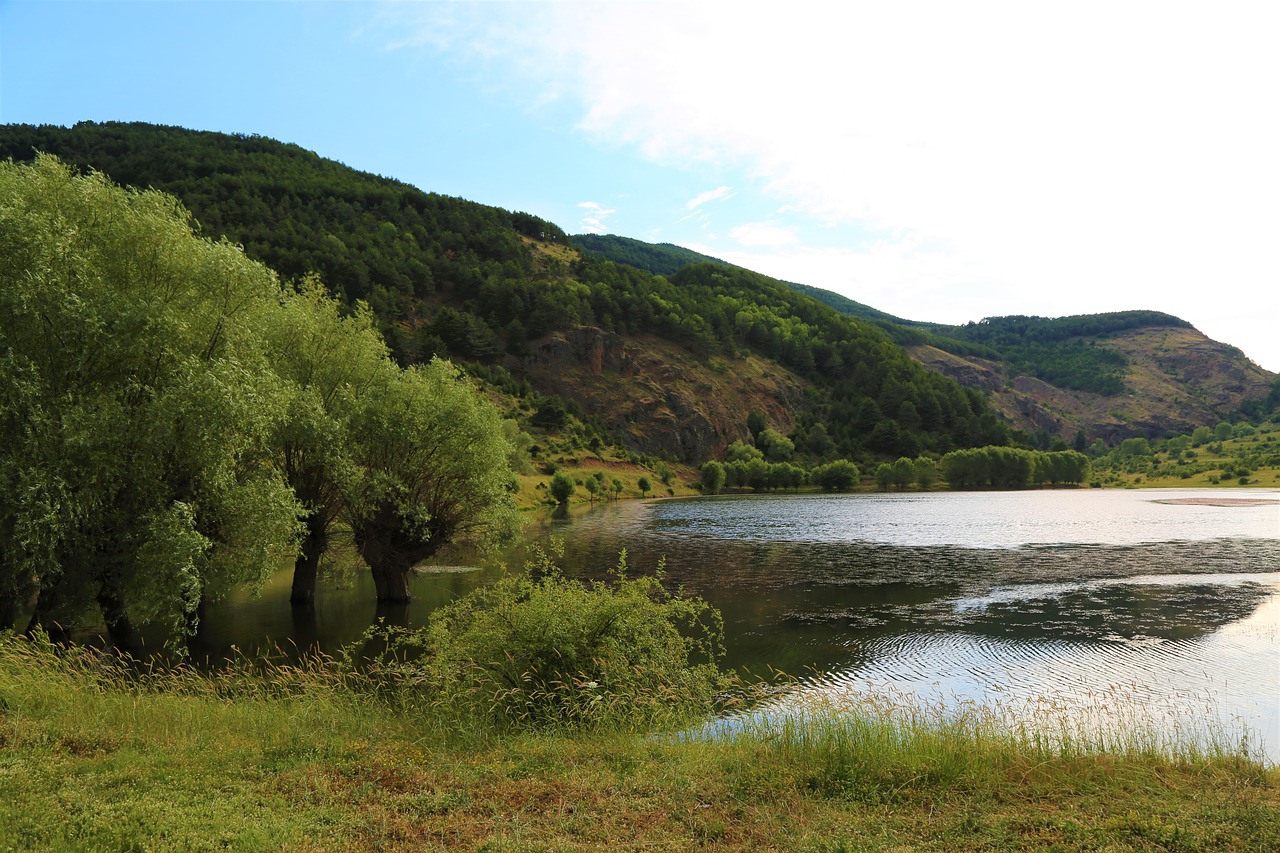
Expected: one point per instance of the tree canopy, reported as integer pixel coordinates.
(137, 403)
(172, 417)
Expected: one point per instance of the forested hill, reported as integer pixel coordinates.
(671, 365)
(1111, 376)
(668, 259)
(657, 258)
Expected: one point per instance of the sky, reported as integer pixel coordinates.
(939, 161)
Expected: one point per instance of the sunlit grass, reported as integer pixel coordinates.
(98, 754)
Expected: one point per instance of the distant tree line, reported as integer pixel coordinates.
(1013, 468)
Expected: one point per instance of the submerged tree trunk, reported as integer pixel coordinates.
(116, 614)
(391, 549)
(41, 618)
(391, 583)
(307, 566)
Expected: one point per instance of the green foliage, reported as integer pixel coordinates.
(712, 477)
(1135, 447)
(562, 487)
(543, 651)
(137, 404)
(740, 451)
(644, 485)
(1013, 468)
(776, 446)
(1265, 408)
(435, 470)
(838, 476)
(925, 471)
(884, 476)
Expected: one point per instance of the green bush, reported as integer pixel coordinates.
(542, 651)
(562, 487)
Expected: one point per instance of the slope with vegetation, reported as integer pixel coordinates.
(499, 291)
(1110, 376)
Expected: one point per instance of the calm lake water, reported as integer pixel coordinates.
(1096, 604)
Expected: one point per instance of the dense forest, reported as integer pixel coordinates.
(445, 276)
(657, 258)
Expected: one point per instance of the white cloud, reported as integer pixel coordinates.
(593, 221)
(1090, 156)
(716, 194)
(763, 234)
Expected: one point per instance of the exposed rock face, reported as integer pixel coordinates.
(1177, 380)
(658, 397)
(581, 348)
(976, 373)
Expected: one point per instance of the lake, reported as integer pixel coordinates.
(1149, 605)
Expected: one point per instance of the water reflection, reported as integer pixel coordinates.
(1029, 597)
(1095, 603)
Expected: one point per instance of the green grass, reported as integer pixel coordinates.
(96, 756)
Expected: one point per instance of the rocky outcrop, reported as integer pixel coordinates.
(581, 348)
(977, 373)
(657, 397)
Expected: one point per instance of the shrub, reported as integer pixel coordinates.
(562, 487)
(542, 651)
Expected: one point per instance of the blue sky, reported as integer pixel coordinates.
(938, 161)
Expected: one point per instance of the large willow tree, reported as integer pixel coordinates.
(174, 422)
(136, 405)
(434, 469)
(330, 361)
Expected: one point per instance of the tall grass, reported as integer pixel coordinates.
(98, 752)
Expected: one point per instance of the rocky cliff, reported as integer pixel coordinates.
(656, 396)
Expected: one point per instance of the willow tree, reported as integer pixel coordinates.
(136, 405)
(329, 359)
(434, 469)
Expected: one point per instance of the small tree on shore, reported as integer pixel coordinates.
(562, 487)
(712, 478)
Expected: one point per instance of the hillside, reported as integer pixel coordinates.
(1112, 376)
(581, 346)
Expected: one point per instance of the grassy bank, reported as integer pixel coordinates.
(94, 756)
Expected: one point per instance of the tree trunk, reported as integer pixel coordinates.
(40, 616)
(116, 615)
(306, 567)
(306, 629)
(391, 583)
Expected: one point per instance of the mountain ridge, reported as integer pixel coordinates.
(1112, 375)
(518, 300)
